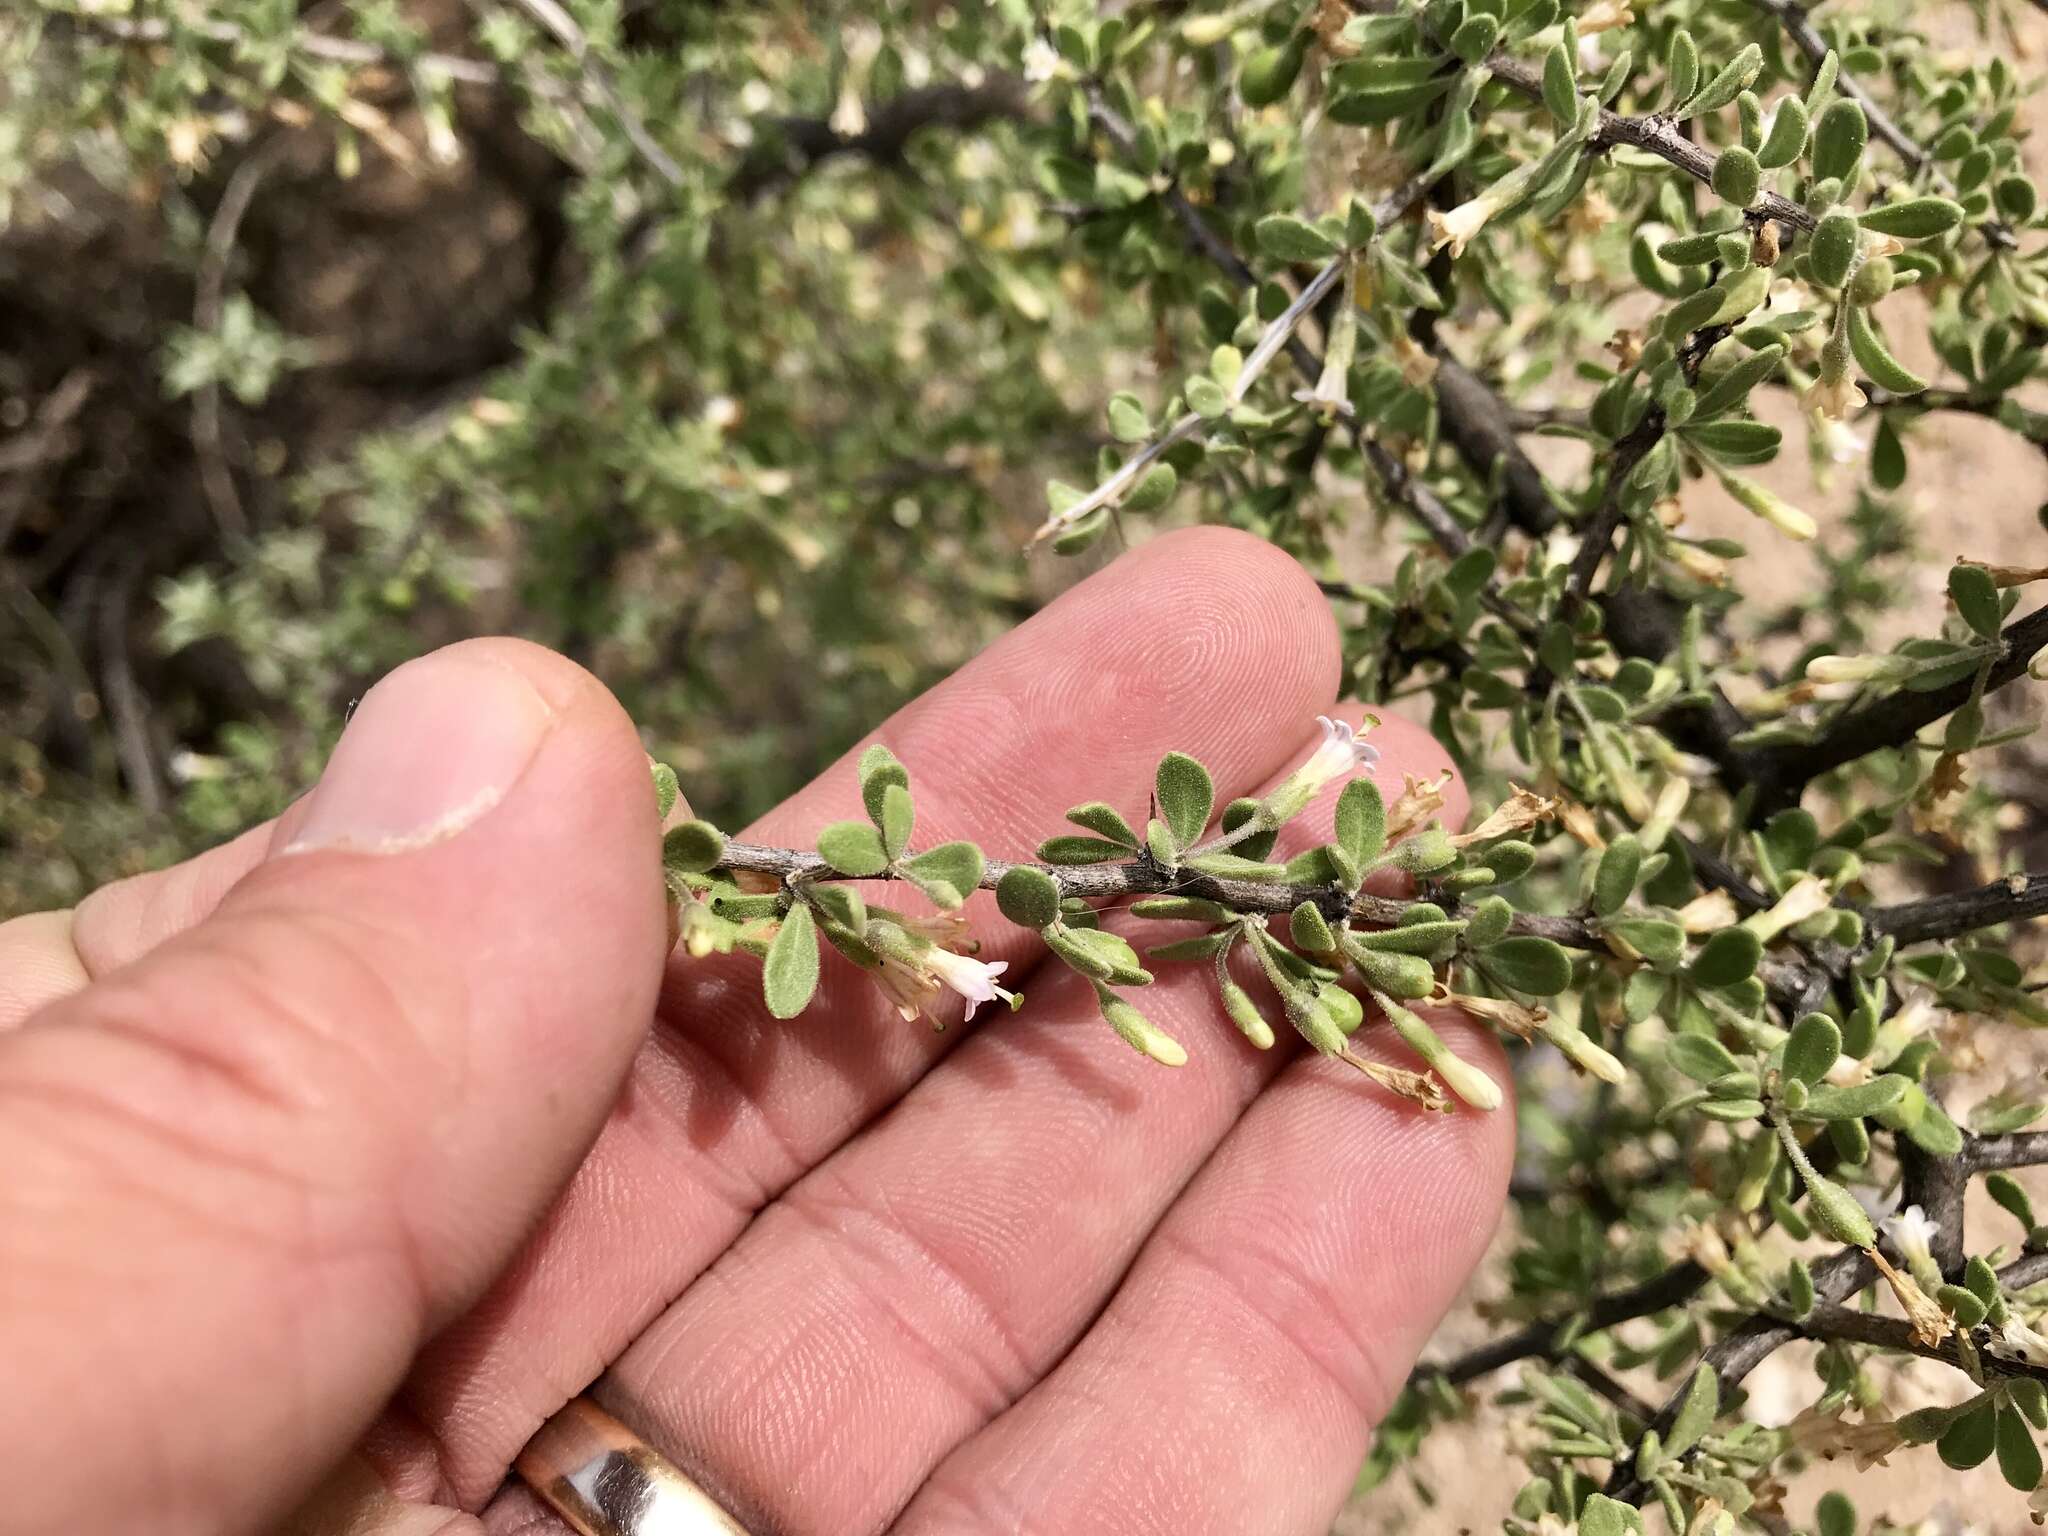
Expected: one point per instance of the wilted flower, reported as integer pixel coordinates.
(2019, 1341)
(1419, 1087)
(1709, 913)
(1522, 809)
(1930, 1324)
(1419, 800)
(1605, 16)
(1830, 1435)
(1808, 897)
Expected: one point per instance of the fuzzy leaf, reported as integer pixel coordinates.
(789, 974)
(1361, 821)
(1185, 794)
(878, 769)
(1289, 239)
(1537, 966)
(947, 873)
(1070, 849)
(853, 848)
(1028, 897)
(898, 818)
(694, 846)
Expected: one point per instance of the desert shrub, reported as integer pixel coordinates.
(819, 294)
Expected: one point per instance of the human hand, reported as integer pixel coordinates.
(279, 1127)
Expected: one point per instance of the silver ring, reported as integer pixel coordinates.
(606, 1481)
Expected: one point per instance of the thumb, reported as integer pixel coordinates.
(247, 1175)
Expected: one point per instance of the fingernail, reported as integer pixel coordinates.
(430, 749)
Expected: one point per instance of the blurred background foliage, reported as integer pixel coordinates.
(319, 348)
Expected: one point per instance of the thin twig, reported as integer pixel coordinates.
(562, 27)
(1892, 721)
(1792, 17)
(208, 300)
(2013, 899)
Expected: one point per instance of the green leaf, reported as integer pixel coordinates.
(1537, 966)
(853, 848)
(1104, 821)
(1868, 345)
(1969, 1441)
(2031, 1398)
(1289, 239)
(1832, 250)
(1614, 881)
(1828, 1102)
(879, 769)
(1069, 849)
(1028, 897)
(1736, 442)
(1787, 138)
(1361, 821)
(1737, 177)
(1696, 1414)
(1914, 218)
(1834, 1514)
(898, 817)
(789, 974)
(947, 873)
(1153, 491)
(1727, 958)
(694, 846)
(1560, 86)
(1975, 595)
(666, 789)
(1128, 422)
(1185, 795)
(1489, 922)
(1812, 1047)
(1311, 930)
(1934, 1133)
(1962, 1304)
(1098, 954)
(1658, 940)
(1735, 77)
(1603, 1516)
(1799, 1292)
(839, 905)
(1838, 139)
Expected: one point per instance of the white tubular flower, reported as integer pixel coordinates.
(1337, 756)
(1913, 1234)
(1859, 669)
(1839, 441)
(973, 979)
(1459, 225)
(1836, 398)
(1041, 61)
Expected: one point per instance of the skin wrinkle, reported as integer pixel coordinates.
(879, 1238)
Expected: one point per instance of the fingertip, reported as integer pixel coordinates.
(1235, 570)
